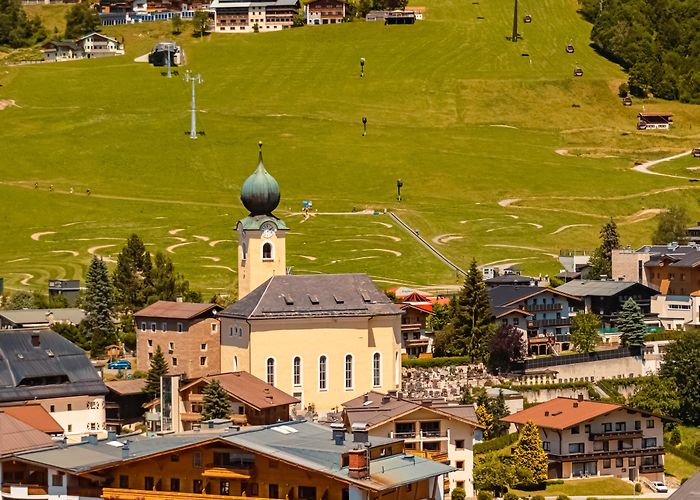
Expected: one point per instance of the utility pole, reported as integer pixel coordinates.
(514, 38)
(189, 77)
(168, 56)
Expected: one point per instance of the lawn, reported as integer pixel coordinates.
(678, 468)
(583, 487)
(454, 110)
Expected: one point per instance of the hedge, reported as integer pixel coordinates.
(553, 386)
(435, 362)
(495, 444)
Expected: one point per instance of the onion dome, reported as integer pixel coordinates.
(260, 193)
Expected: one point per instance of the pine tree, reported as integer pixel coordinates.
(471, 316)
(132, 276)
(98, 305)
(216, 402)
(159, 367)
(630, 324)
(528, 453)
(601, 260)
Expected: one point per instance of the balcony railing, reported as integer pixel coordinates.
(608, 454)
(543, 307)
(549, 322)
(604, 436)
(125, 494)
(23, 491)
(435, 456)
(651, 468)
(422, 435)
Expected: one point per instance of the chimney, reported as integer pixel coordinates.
(546, 414)
(111, 435)
(575, 404)
(178, 299)
(580, 397)
(385, 399)
(338, 433)
(366, 397)
(358, 466)
(50, 317)
(360, 433)
(36, 340)
(400, 396)
(125, 451)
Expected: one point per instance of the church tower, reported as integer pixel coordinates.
(261, 235)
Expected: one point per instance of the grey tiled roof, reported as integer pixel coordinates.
(586, 288)
(54, 358)
(304, 296)
(39, 316)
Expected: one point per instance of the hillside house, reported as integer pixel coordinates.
(654, 121)
(68, 289)
(124, 404)
(433, 429)
(238, 16)
(99, 45)
(324, 11)
(587, 438)
(61, 50)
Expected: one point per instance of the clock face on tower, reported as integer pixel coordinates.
(268, 229)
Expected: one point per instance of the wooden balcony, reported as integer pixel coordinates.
(435, 456)
(24, 491)
(604, 436)
(190, 416)
(651, 468)
(593, 455)
(196, 398)
(125, 494)
(543, 307)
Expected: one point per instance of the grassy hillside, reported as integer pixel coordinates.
(454, 109)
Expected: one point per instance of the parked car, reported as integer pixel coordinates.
(119, 364)
(659, 487)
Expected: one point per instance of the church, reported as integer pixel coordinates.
(323, 338)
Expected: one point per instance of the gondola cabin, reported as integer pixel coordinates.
(654, 121)
(569, 49)
(527, 19)
(696, 153)
(578, 71)
(627, 101)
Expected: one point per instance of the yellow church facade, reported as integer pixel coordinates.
(321, 338)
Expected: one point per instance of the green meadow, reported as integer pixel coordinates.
(466, 118)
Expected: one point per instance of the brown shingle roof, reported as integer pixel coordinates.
(34, 415)
(18, 436)
(561, 413)
(176, 310)
(123, 387)
(250, 390)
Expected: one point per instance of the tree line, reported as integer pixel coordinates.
(16, 28)
(656, 41)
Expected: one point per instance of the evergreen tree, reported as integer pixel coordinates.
(528, 453)
(81, 19)
(168, 284)
(600, 263)
(584, 332)
(508, 346)
(16, 28)
(498, 410)
(672, 226)
(21, 299)
(216, 402)
(158, 368)
(630, 324)
(471, 316)
(98, 305)
(682, 365)
(132, 276)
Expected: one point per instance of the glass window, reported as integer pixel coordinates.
(632, 462)
(270, 371)
(377, 370)
(267, 251)
(296, 371)
(607, 427)
(322, 373)
(148, 483)
(459, 444)
(348, 371)
(575, 429)
(459, 464)
(174, 484)
(203, 361)
(124, 481)
(197, 486)
(575, 447)
(545, 445)
(606, 463)
(163, 326)
(620, 426)
(649, 443)
(619, 462)
(650, 423)
(197, 460)
(153, 327)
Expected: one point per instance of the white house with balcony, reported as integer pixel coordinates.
(434, 429)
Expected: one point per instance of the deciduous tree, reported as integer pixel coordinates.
(630, 324)
(528, 453)
(81, 19)
(672, 226)
(216, 402)
(682, 365)
(98, 305)
(656, 395)
(493, 473)
(176, 24)
(584, 332)
(508, 347)
(200, 23)
(158, 368)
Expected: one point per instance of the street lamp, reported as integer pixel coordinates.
(362, 67)
(364, 125)
(399, 185)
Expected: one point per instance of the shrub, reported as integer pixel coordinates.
(623, 89)
(637, 488)
(675, 438)
(592, 498)
(139, 374)
(484, 495)
(537, 497)
(696, 448)
(510, 496)
(435, 362)
(563, 497)
(458, 494)
(495, 444)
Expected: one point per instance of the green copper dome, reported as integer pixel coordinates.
(260, 193)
